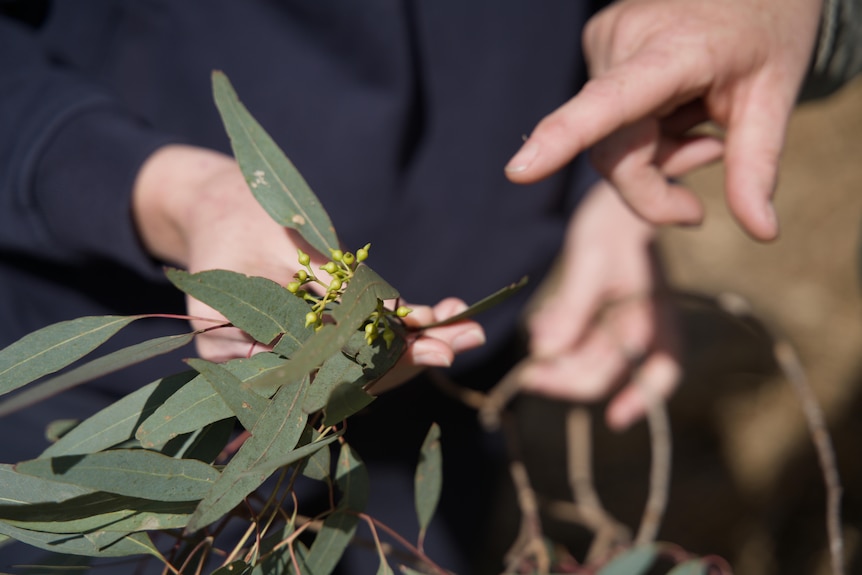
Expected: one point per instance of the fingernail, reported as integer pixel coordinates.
(525, 156)
(432, 360)
(468, 340)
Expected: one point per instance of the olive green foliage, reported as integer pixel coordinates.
(144, 476)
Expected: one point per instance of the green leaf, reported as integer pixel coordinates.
(206, 444)
(276, 433)
(276, 460)
(691, 567)
(56, 564)
(384, 568)
(351, 477)
(132, 472)
(273, 179)
(135, 544)
(98, 512)
(331, 542)
(259, 306)
(635, 561)
(339, 527)
(484, 304)
(197, 404)
(344, 401)
(428, 480)
(336, 370)
(117, 422)
(246, 405)
(358, 301)
(317, 465)
(54, 347)
(98, 367)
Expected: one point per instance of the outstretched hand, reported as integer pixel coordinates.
(604, 326)
(661, 67)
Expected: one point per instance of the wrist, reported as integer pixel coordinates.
(167, 195)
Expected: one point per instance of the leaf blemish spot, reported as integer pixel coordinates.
(298, 220)
(259, 179)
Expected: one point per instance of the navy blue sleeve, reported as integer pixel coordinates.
(69, 156)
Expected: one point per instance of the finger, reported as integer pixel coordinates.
(631, 91)
(587, 374)
(626, 158)
(655, 380)
(755, 138)
(677, 157)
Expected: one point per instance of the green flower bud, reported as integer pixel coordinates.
(293, 287)
(329, 267)
(370, 329)
(336, 255)
(388, 337)
(348, 258)
(403, 311)
(301, 275)
(303, 258)
(310, 319)
(335, 284)
(362, 253)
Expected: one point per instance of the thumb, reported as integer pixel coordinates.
(755, 138)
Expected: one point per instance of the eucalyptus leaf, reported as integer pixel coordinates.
(98, 367)
(273, 179)
(384, 568)
(428, 481)
(335, 371)
(98, 512)
(344, 401)
(331, 542)
(206, 444)
(117, 422)
(275, 434)
(338, 529)
(635, 561)
(351, 477)
(246, 405)
(197, 404)
(259, 306)
(134, 544)
(54, 347)
(484, 304)
(317, 465)
(132, 472)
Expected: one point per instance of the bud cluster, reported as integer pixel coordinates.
(340, 269)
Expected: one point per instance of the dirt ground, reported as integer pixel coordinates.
(746, 483)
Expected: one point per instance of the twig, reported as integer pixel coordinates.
(791, 367)
(530, 542)
(587, 508)
(659, 487)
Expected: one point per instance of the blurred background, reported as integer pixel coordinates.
(746, 482)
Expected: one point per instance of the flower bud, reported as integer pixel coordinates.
(301, 275)
(403, 311)
(293, 287)
(310, 319)
(329, 267)
(303, 258)
(348, 258)
(336, 255)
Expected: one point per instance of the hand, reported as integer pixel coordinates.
(193, 209)
(604, 320)
(661, 67)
